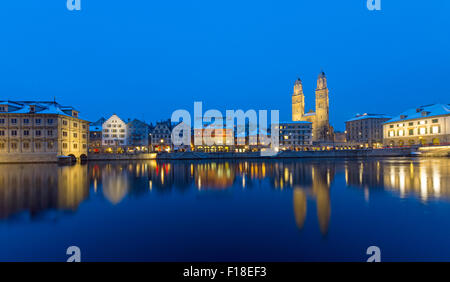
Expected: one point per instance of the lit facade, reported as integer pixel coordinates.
(114, 133)
(425, 125)
(41, 131)
(161, 136)
(322, 131)
(366, 130)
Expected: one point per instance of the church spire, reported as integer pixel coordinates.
(321, 81)
(298, 87)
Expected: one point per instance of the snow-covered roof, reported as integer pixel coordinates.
(422, 112)
(367, 116)
(40, 107)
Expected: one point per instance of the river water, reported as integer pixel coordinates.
(254, 210)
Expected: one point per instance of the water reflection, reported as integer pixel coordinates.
(36, 188)
(425, 178)
(40, 187)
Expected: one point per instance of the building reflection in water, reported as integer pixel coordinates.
(40, 187)
(425, 178)
(37, 188)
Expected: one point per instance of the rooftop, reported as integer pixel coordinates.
(40, 107)
(295, 122)
(422, 112)
(367, 116)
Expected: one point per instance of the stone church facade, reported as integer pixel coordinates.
(322, 131)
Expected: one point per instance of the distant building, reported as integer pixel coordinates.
(212, 137)
(41, 131)
(340, 137)
(95, 136)
(322, 131)
(424, 125)
(138, 133)
(161, 136)
(295, 135)
(114, 134)
(366, 130)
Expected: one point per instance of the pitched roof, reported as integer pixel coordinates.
(41, 107)
(422, 112)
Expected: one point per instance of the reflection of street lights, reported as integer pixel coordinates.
(149, 142)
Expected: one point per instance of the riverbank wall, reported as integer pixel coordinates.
(359, 153)
(363, 153)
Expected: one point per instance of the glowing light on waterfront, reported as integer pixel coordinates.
(437, 182)
(423, 183)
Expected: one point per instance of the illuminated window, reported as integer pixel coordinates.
(422, 130)
(400, 132)
(391, 133)
(422, 122)
(435, 129)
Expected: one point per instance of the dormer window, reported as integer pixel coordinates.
(424, 114)
(418, 110)
(32, 109)
(403, 116)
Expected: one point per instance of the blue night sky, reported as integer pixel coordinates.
(145, 58)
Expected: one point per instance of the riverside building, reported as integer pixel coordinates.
(424, 125)
(40, 131)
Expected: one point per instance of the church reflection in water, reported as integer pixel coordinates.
(40, 187)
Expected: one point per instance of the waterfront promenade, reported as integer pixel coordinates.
(394, 152)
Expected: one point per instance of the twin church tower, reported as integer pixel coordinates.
(322, 131)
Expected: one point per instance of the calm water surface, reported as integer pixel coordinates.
(281, 210)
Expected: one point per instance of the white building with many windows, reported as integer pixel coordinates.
(424, 125)
(114, 133)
